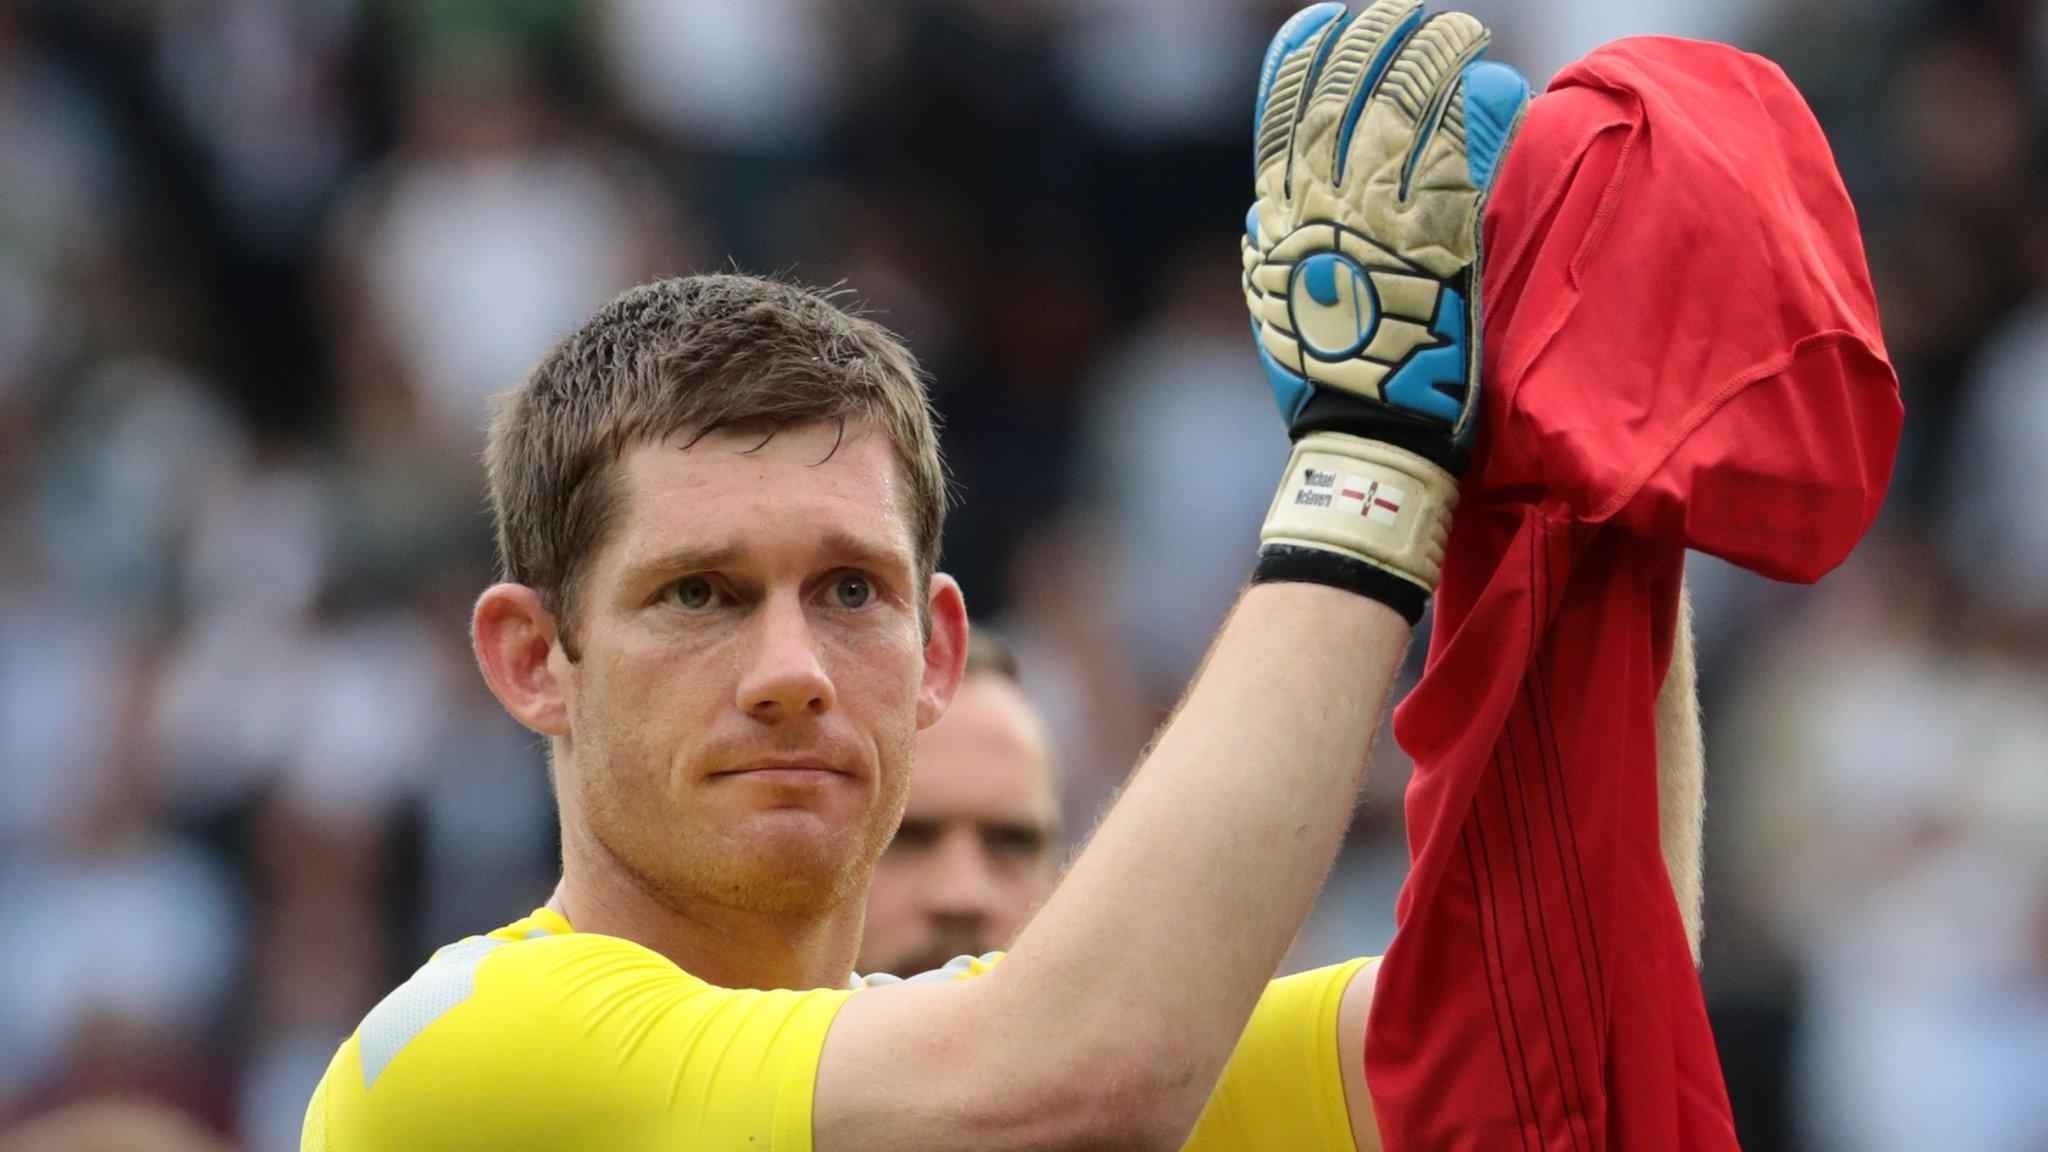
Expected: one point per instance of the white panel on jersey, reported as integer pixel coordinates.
(440, 984)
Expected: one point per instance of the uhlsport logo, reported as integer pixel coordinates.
(1334, 306)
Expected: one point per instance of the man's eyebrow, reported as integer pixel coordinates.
(837, 543)
(689, 558)
(863, 553)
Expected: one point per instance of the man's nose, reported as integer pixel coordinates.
(963, 883)
(785, 676)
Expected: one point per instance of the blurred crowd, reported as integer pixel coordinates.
(263, 262)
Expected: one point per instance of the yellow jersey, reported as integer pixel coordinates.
(541, 1037)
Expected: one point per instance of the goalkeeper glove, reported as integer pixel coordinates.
(1377, 139)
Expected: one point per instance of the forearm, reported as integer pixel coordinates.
(1113, 1015)
(1163, 935)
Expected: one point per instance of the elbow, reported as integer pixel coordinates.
(1140, 1107)
(1142, 1101)
(1093, 1101)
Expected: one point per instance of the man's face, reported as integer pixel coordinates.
(741, 715)
(976, 854)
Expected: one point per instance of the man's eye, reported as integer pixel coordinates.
(914, 838)
(1014, 843)
(694, 593)
(852, 591)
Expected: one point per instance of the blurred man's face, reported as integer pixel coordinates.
(752, 669)
(976, 854)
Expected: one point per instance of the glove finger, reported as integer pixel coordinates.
(1420, 84)
(1433, 189)
(1492, 103)
(1290, 68)
(1357, 67)
(1300, 28)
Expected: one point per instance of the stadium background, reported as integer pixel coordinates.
(262, 262)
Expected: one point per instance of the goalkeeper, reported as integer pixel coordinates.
(718, 507)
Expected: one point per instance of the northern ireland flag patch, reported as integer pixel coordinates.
(1361, 496)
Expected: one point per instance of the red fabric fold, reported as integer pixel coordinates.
(1682, 350)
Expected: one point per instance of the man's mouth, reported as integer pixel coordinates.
(788, 770)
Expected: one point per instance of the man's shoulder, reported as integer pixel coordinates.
(452, 978)
(519, 978)
(463, 1049)
(516, 1038)
(539, 984)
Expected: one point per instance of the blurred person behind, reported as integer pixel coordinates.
(128, 975)
(977, 851)
(113, 1126)
(1076, 668)
(1891, 798)
(1173, 391)
(1995, 528)
(731, 77)
(499, 219)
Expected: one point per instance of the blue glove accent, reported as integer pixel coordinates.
(1433, 381)
(1388, 49)
(1290, 390)
(1251, 223)
(1298, 30)
(1319, 275)
(1341, 310)
(1494, 95)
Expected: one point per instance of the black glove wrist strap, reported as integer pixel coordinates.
(1289, 563)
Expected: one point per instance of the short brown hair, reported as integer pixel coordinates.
(697, 353)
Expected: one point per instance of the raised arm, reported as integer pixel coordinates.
(1111, 1019)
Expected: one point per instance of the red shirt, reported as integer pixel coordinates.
(1681, 351)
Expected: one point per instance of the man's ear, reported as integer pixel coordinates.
(514, 634)
(945, 649)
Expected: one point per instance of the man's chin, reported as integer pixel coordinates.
(786, 892)
(791, 862)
